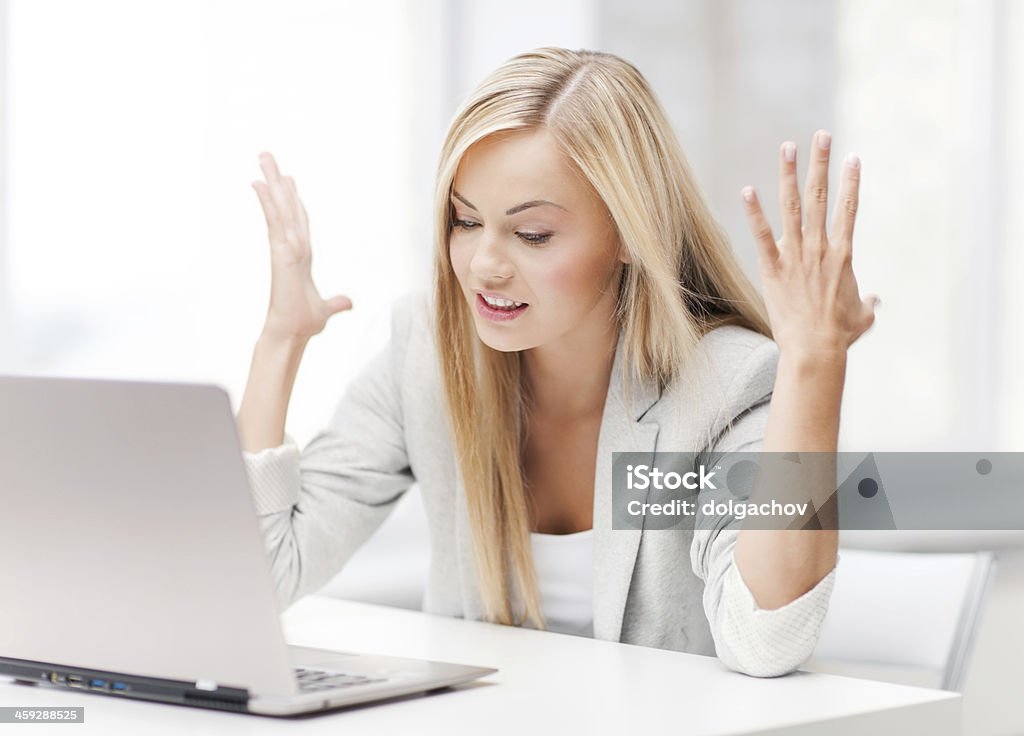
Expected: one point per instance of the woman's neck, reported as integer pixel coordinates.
(569, 379)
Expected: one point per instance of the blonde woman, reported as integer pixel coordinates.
(584, 302)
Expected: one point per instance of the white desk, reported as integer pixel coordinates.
(547, 683)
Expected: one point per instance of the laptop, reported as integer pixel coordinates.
(134, 565)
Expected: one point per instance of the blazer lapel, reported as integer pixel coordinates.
(623, 429)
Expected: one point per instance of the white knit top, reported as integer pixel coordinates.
(564, 565)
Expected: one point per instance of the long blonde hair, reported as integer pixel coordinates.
(682, 280)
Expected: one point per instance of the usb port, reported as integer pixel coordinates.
(118, 686)
(97, 684)
(57, 679)
(75, 681)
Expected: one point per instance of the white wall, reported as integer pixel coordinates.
(7, 346)
(138, 247)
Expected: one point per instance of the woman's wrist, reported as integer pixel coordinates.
(806, 401)
(280, 343)
(813, 358)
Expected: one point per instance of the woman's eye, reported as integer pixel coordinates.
(535, 238)
(528, 238)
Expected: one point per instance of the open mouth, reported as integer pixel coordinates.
(500, 311)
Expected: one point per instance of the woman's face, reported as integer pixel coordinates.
(528, 228)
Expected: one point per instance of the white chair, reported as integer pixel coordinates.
(897, 612)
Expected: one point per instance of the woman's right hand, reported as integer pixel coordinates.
(296, 311)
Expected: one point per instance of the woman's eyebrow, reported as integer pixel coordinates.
(512, 210)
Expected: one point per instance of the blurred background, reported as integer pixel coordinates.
(132, 244)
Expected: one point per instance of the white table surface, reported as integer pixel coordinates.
(546, 683)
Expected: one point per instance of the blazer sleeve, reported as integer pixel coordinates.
(318, 506)
(749, 639)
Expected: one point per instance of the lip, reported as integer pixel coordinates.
(496, 295)
(497, 315)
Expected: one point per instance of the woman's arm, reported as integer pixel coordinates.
(781, 565)
(816, 314)
(295, 315)
(318, 506)
(261, 417)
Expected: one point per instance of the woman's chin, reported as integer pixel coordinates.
(501, 343)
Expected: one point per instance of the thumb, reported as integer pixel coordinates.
(338, 304)
(871, 302)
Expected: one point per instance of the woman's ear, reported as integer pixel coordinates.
(623, 255)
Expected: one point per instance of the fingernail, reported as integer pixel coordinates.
(853, 161)
(824, 140)
(748, 194)
(789, 151)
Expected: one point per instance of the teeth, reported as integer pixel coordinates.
(503, 303)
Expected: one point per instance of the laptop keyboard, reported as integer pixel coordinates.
(322, 680)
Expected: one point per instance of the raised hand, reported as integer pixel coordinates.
(809, 287)
(296, 311)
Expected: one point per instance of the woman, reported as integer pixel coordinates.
(585, 302)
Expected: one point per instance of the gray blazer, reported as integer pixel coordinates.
(676, 590)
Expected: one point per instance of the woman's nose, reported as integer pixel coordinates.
(490, 260)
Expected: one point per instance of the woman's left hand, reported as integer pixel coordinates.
(810, 291)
